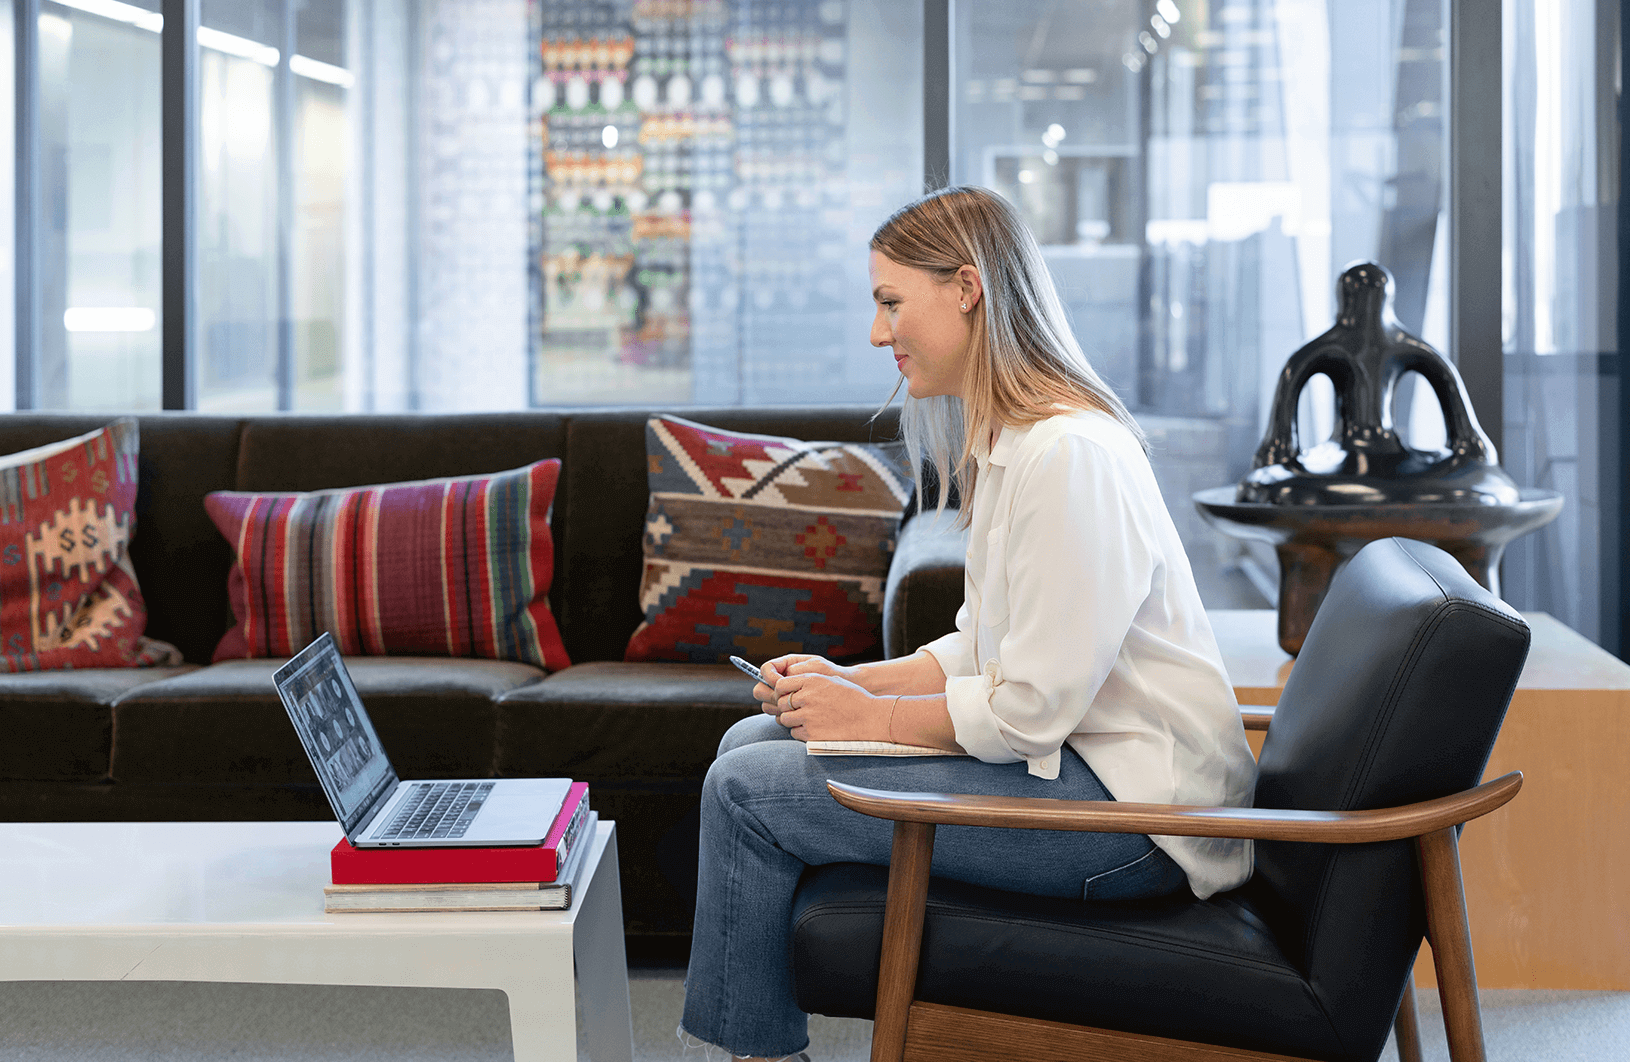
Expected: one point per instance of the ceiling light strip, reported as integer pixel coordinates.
(216, 40)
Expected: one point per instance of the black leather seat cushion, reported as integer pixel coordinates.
(1179, 968)
(612, 720)
(642, 736)
(225, 724)
(58, 725)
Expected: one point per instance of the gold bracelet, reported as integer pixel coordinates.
(892, 707)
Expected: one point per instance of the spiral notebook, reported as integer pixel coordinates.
(873, 748)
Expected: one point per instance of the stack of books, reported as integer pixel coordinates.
(536, 878)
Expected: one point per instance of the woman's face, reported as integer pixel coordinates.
(927, 324)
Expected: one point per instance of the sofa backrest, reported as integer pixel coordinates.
(182, 561)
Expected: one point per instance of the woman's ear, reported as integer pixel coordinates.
(970, 288)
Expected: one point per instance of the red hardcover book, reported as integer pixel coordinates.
(421, 866)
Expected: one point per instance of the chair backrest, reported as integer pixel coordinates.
(1396, 697)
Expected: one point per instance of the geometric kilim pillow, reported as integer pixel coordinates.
(68, 595)
(757, 545)
(445, 567)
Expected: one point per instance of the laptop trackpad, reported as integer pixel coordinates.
(520, 810)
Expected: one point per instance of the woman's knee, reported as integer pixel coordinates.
(752, 770)
(754, 728)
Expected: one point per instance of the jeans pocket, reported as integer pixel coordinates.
(1149, 875)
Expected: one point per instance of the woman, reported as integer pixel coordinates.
(1082, 667)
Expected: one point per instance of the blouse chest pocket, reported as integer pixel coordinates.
(993, 608)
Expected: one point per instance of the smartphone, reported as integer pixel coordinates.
(747, 669)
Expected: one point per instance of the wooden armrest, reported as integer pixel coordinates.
(1174, 820)
(1256, 716)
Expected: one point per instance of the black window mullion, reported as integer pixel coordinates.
(283, 119)
(1615, 439)
(937, 94)
(179, 77)
(1475, 98)
(26, 46)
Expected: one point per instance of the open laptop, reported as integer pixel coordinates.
(374, 807)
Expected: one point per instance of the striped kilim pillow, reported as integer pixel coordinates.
(447, 567)
(757, 545)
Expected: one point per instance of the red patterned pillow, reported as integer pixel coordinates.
(68, 595)
(757, 545)
(448, 567)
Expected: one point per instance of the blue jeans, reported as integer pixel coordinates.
(766, 815)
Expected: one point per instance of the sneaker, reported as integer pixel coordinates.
(710, 1052)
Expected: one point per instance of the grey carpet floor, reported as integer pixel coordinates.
(171, 1022)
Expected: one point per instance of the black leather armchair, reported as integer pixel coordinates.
(1371, 764)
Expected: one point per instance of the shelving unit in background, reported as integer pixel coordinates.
(687, 157)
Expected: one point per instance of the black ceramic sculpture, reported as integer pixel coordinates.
(1320, 505)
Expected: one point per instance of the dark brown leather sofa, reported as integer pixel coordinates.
(211, 741)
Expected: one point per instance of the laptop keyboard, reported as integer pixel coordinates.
(435, 810)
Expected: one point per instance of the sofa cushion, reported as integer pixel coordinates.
(759, 545)
(604, 489)
(68, 591)
(610, 721)
(323, 452)
(225, 723)
(180, 559)
(456, 567)
(58, 725)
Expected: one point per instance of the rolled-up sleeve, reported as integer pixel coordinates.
(1070, 564)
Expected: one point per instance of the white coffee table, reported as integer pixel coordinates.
(243, 902)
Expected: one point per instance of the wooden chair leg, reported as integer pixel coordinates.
(902, 937)
(1407, 1027)
(1451, 944)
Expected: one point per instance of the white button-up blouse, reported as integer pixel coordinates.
(1082, 625)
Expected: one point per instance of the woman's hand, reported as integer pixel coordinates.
(816, 706)
(780, 667)
(808, 664)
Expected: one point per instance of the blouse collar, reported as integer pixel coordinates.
(1007, 440)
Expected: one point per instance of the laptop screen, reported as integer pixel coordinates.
(338, 736)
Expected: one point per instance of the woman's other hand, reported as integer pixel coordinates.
(769, 674)
(775, 670)
(816, 706)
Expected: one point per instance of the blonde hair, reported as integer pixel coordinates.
(1023, 359)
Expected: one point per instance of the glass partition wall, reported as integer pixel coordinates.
(240, 287)
(98, 280)
(485, 204)
(272, 186)
(1198, 174)
(274, 159)
(1564, 404)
